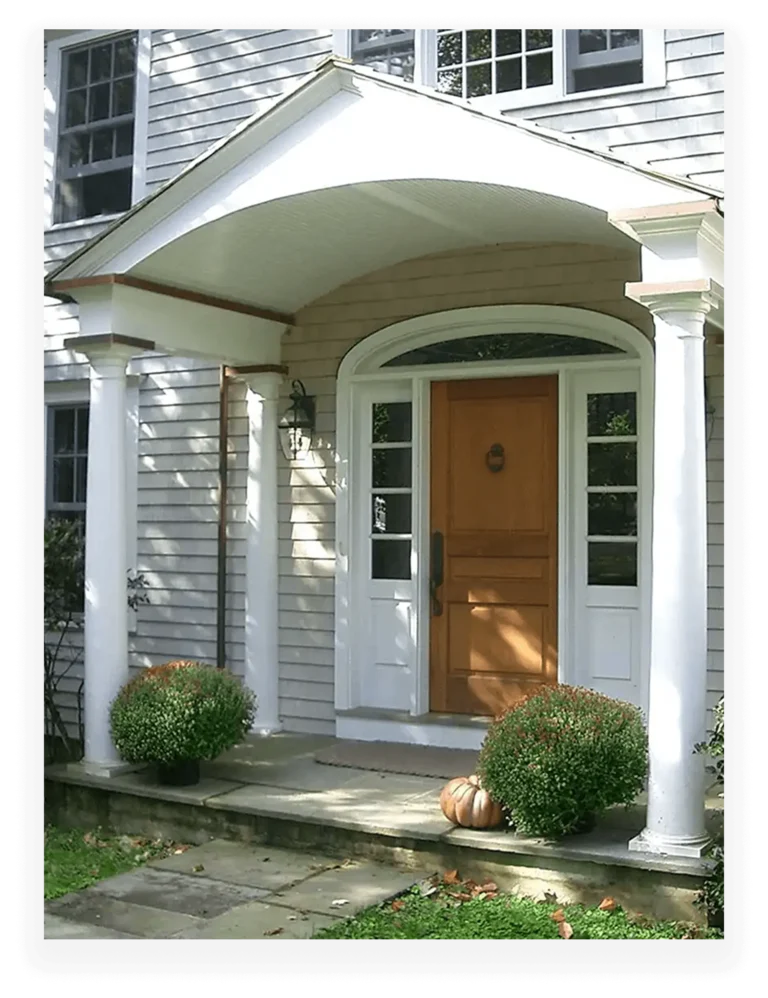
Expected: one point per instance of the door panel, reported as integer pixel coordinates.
(493, 635)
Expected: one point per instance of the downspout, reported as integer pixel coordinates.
(221, 581)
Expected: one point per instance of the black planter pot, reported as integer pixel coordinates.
(716, 919)
(179, 774)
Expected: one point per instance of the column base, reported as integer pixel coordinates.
(109, 769)
(266, 728)
(670, 845)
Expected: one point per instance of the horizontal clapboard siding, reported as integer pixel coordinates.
(327, 329)
(205, 84)
(202, 85)
(714, 373)
(677, 128)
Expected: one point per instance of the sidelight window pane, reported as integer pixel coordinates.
(612, 414)
(391, 422)
(612, 564)
(391, 514)
(612, 514)
(612, 464)
(390, 559)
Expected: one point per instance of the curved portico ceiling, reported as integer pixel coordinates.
(287, 253)
(353, 171)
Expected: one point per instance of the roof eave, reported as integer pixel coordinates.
(347, 73)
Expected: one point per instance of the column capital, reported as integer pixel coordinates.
(263, 379)
(694, 298)
(108, 350)
(680, 242)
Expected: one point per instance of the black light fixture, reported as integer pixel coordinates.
(297, 424)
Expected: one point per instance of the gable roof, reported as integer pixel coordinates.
(330, 77)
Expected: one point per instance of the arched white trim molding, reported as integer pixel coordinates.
(368, 356)
(362, 379)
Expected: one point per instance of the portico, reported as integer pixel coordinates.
(223, 261)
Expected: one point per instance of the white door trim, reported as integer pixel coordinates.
(361, 366)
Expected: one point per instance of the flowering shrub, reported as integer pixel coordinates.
(562, 755)
(180, 711)
(712, 894)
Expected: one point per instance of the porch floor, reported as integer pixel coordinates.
(276, 784)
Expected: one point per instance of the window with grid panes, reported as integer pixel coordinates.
(598, 58)
(387, 50)
(476, 63)
(612, 489)
(391, 490)
(67, 469)
(94, 163)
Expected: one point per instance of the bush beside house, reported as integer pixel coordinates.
(180, 713)
(561, 756)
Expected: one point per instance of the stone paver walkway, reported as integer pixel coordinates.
(225, 890)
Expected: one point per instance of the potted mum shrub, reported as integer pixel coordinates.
(177, 714)
(562, 755)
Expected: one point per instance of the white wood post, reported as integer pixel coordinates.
(106, 563)
(261, 575)
(678, 679)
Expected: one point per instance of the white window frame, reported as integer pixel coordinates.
(63, 393)
(54, 58)
(425, 71)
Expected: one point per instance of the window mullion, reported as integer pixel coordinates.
(559, 49)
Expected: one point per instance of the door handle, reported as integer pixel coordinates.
(436, 576)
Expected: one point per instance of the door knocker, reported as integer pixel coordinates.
(495, 457)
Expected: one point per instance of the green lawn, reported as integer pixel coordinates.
(75, 858)
(441, 915)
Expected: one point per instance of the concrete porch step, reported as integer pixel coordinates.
(291, 801)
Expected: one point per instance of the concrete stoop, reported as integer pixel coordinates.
(286, 800)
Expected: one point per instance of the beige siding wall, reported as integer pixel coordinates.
(583, 276)
(587, 277)
(178, 458)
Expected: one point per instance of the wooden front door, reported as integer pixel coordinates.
(493, 508)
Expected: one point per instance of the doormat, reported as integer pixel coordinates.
(390, 757)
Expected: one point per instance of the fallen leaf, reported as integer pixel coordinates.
(607, 904)
(339, 902)
(558, 916)
(93, 873)
(462, 896)
(426, 889)
(550, 897)
(292, 918)
(397, 905)
(90, 840)
(564, 930)
(273, 932)
(491, 894)
(180, 849)
(265, 860)
(451, 877)
(489, 886)
(198, 868)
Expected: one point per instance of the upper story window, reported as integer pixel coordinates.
(597, 58)
(515, 67)
(493, 61)
(387, 50)
(94, 163)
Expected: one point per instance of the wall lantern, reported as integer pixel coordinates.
(297, 423)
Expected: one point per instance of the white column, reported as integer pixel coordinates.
(106, 592)
(261, 577)
(678, 679)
